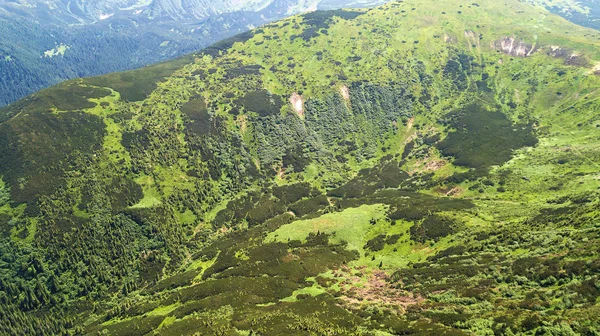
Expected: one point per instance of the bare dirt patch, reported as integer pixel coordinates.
(449, 191)
(435, 164)
(449, 39)
(409, 126)
(297, 102)
(596, 69)
(281, 173)
(429, 164)
(358, 287)
(242, 122)
(290, 257)
(345, 92)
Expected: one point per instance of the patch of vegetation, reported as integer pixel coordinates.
(482, 138)
(432, 227)
(136, 85)
(199, 118)
(261, 102)
(319, 21)
(141, 216)
(36, 147)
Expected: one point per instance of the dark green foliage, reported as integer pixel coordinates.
(268, 289)
(376, 244)
(458, 70)
(137, 326)
(263, 210)
(385, 175)
(125, 192)
(407, 149)
(319, 21)
(449, 319)
(136, 85)
(36, 147)
(295, 318)
(286, 138)
(481, 138)
(139, 138)
(199, 118)
(292, 193)
(473, 272)
(415, 206)
(451, 251)
(257, 208)
(218, 48)
(243, 70)
(432, 227)
(295, 159)
(309, 206)
(67, 96)
(172, 282)
(261, 102)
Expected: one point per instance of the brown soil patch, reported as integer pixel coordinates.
(449, 191)
(345, 92)
(456, 191)
(435, 164)
(281, 173)
(290, 257)
(410, 124)
(242, 122)
(377, 289)
(428, 164)
(297, 102)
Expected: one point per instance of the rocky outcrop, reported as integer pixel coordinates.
(512, 46)
(570, 56)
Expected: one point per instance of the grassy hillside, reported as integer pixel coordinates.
(419, 168)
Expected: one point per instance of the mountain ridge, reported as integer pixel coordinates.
(45, 43)
(400, 170)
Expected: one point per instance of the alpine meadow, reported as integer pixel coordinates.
(419, 168)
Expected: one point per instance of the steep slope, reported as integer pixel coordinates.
(45, 42)
(418, 168)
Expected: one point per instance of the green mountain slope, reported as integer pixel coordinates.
(418, 168)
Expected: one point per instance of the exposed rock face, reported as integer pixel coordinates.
(514, 47)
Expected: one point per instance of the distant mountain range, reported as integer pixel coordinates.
(45, 42)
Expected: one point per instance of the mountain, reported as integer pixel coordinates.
(426, 168)
(45, 42)
(582, 12)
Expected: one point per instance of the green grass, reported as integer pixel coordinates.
(351, 226)
(163, 310)
(314, 290)
(151, 196)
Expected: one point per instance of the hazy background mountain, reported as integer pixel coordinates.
(45, 42)
(584, 12)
